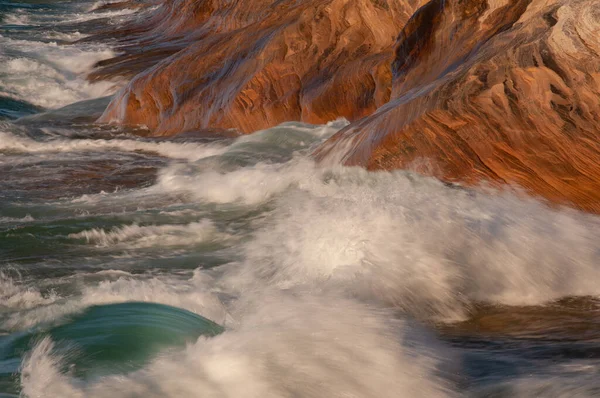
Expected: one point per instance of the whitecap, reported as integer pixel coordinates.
(187, 150)
(286, 347)
(136, 236)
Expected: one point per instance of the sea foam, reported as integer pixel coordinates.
(286, 347)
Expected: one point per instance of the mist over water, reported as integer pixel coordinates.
(328, 280)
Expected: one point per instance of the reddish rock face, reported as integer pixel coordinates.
(506, 91)
(253, 65)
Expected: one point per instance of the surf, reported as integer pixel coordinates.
(215, 264)
(106, 339)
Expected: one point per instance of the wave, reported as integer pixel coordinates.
(40, 63)
(186, 150)
(417, 244)
(135, 236)
(409, 241)
(19, 18)
(113, 338)
(29, 308)
(404, 240)
(14, 295)
(254, 168)
(50, 75)
(430, 249)
(24, 219)
(89, 14)
(287, 346)
(11, 108)
(251, 185)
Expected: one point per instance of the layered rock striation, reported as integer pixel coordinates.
(252, 65)
(506, 91)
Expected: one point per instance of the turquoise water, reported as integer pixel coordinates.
(237, 267)
(107, 339)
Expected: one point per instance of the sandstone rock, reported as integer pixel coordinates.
(252, 65)
(506, 91)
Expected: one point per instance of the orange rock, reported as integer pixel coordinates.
(506, 91)
(253, 65)
(501, 90)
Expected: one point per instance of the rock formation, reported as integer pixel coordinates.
(252, 65)
(506, 91)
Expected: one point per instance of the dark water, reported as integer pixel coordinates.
(237, 267)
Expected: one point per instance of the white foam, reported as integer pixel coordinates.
(258, 182)
(285, 347)
(51, 75)
(16, 296)
(192, 294)
(102, 3)
(66, 36)
(135, 236)
(249, 185)
(27, 218)
(41, 362)
(404, 240)
(108, 272)
(89, 16)
(187, 150)
(417, 244)
(18, 18)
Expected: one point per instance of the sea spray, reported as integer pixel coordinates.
(287, 346)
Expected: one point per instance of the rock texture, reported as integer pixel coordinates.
(506, 91)
(252, 65)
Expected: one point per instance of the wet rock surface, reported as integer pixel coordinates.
(502, 91)
(238, 68)
(507, 94)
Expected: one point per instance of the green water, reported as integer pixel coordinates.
(107, 339)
